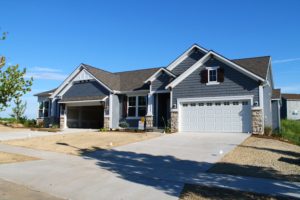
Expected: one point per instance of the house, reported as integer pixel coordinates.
(290, 106)
(200, 91)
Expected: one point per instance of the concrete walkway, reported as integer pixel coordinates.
(141, 170)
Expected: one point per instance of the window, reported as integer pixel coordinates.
(212, 75)
(185, 105)
(209, 104)
(235, 103)
(245, 103)
(226, 103)
(44, 109)
(142, 106)
(193, 104)
(137, 106)
(201, 104)
(131, 106)
(218, 104)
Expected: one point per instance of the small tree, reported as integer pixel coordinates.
(12, 82)
(19, 109)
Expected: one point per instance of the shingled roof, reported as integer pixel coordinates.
(134, 80)
(276, 94)
(123, 81)
(291, 96)
(46, 93)
(256, 65)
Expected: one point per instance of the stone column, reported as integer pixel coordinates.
(174, 121)
(257, 121)
(106, 122)
(149, 122)
(62, 122)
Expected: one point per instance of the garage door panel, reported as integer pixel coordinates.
(225, 116)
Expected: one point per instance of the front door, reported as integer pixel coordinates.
(163, 103)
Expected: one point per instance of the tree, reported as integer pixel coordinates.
(12, 82)
(19, 109)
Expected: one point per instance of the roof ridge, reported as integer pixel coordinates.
(97, 68)
(249, 58)
(137, 70)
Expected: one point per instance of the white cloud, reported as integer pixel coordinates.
(286, 60)
(45, 73)
(292, 88)
(45, 69)
(46, 76)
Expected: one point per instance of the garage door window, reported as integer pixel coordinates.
(235, 103)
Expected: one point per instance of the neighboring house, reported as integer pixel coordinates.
(290, 106)
(200, 91)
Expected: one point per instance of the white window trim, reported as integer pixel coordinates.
(209, 82)
(136, 106)
(43, 109)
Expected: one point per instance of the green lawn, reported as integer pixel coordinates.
(290, 130)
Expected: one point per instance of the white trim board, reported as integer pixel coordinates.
(157, 73)
(220, 98)
(183, 56)
(205, 58)
(68, 81)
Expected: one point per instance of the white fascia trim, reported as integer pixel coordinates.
(160, 91)
(67, 81)
(106, 87)
(220, 98)
(241, 69)
(72, 76)
(156, 74)
(184, 56)
(200, 62)
(189, 71)
(83, 101)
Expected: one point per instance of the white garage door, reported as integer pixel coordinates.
(219, 116)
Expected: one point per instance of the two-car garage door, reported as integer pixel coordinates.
(218, 116)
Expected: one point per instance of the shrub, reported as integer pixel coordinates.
(290, 130)
(268, 130)
(103, 130)
(123, 124)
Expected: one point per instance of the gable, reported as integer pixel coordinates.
(83, 75)
(234, 84)
(161, 82)
(191, 59)
(85, 90)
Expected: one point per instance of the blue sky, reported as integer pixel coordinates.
(51, 38)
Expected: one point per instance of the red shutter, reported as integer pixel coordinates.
(221, 75)
(204, 76)
(124, 113)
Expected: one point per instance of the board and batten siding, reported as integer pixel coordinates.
(267, 101)
(235, 84)
(86, 89)
(161, 82)
(188, 62)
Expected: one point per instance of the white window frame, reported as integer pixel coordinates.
(209, 82)
(43, 109)
(136, 106)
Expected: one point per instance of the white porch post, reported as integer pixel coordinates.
(150, 104)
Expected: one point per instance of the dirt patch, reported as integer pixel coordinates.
(6, 129)
(12, 158)
(262, 157)
(74, 143)
(10, 191)
(196, 192)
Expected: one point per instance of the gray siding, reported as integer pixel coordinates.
(86, 89)
(235, 84)
(267, 102)
(161, 82)
(188, 62)
(275, 115)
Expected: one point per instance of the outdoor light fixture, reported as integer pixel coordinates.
(174, 106)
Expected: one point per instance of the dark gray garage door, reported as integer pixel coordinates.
(85, 117)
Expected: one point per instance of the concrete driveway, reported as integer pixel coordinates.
(152, 169)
